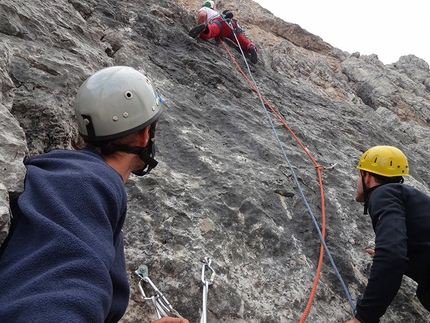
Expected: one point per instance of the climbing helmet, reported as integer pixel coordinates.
(386, 161)
(209, 4)
(114, 102)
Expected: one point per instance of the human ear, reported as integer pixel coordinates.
(144, 136)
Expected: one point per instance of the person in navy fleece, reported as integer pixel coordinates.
(63, 260)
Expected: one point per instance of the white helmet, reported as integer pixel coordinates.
(114, 102)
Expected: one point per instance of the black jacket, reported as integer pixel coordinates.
(401, 220)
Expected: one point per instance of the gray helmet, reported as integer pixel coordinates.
(114, 102)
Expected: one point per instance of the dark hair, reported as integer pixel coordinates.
(386, 180)
(106, 147)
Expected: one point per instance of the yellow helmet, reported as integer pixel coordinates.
(386, 161)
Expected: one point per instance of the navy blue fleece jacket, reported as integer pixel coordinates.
(64, 261)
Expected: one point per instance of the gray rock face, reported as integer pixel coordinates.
(231, 178)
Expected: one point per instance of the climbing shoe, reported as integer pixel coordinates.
(228, 14)
(253, 52)
(197, 30)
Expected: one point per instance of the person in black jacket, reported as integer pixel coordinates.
(400, 217)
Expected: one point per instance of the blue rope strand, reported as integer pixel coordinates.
(351, 303)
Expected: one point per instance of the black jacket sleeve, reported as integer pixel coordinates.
(386, 208)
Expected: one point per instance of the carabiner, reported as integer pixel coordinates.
(160, 302)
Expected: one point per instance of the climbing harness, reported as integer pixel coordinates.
(321, 234)
(229, 22)
(161, 304)
(206, 283)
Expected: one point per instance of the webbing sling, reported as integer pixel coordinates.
(219, 23)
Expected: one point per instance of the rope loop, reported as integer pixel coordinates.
(321, 232)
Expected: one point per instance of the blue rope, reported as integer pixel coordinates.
(351, 303)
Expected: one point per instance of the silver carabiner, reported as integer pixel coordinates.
(160, 302)
(206, 265)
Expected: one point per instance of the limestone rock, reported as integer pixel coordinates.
(5, 214)
(231, 178)
(12, 151)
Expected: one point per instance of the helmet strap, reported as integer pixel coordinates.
(146, 154)
(367, 196)
(368, 191)
(365, 190)
(89, 125)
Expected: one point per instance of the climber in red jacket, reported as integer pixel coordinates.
(212, 24)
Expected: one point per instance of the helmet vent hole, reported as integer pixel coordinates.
(128, 95)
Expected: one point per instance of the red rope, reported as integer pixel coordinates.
(318, 168)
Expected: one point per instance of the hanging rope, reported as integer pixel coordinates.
(321, 234)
